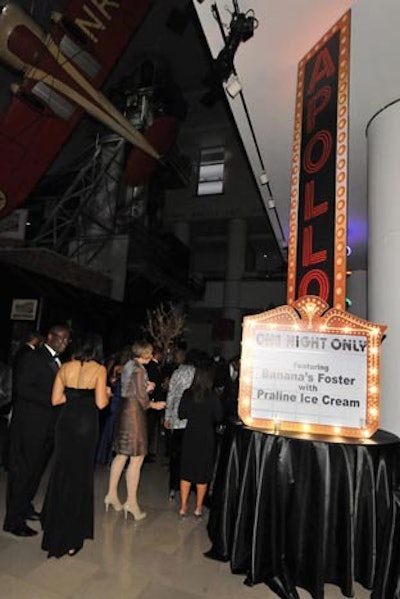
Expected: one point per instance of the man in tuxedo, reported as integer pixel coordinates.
(32, 429)
(32, 341)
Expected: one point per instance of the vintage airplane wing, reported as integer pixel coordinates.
(63, 71)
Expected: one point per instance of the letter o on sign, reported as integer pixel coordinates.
(324, 138)
(322, 280)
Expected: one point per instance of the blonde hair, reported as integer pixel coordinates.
(142, 349)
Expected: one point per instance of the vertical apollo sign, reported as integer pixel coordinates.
(317, 240)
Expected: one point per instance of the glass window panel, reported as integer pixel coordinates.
(211, 171)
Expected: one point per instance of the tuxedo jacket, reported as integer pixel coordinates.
(20, 353)
(16, 362)
(34, 378)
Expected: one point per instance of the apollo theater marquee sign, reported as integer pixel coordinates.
(308, 366)
(310, 369)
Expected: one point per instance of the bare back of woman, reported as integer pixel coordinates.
(81, 375)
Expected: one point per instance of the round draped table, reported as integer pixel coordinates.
(293, 511)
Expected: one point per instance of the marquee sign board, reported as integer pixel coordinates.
(310, 369)
(317, 240)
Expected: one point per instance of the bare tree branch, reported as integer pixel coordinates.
(165, 324)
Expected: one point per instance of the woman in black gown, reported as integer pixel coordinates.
(67, 516)
(201, 406)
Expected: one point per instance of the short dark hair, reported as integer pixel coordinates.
(32, 335)
(58, 328)
(88, 347)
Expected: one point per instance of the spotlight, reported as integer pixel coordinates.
(240, 30)
(233, 86)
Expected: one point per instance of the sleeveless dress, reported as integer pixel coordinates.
(67, 515)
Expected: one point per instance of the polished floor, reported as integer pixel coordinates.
(160, 557)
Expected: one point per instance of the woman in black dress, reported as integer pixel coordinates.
(201, 406)
(67, 516)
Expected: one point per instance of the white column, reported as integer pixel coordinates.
(235, 264)
(182, 232)
(384, 252)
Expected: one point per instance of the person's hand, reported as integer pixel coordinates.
(108, 392)
(150, 386)
(166, 423)
(158, 405)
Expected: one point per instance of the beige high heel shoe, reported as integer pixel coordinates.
(115, 504)
(135, 512)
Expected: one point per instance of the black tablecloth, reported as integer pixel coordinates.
(303, 512)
